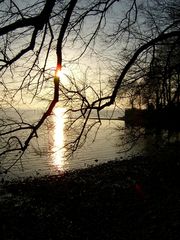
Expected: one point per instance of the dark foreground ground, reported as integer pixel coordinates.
(132, 199)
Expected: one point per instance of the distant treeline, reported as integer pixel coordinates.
(167, 118)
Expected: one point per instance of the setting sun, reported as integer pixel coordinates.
(59, 73)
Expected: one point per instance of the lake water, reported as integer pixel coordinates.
(46, 154)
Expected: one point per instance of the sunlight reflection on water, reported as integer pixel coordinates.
(46, 154)
(58, 143)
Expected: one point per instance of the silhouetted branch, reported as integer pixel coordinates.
(38, 21)
(151, 43)
(32, 43)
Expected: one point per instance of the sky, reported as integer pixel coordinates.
(95, 68)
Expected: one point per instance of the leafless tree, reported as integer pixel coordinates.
(38, 35)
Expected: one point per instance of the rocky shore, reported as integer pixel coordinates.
(130, 199)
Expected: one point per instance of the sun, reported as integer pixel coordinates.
(59, 72)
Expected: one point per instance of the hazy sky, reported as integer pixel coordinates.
(98, 64)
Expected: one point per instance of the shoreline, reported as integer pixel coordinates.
(129, 199)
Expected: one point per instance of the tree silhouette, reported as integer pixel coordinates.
(32, 34)
(156, 76)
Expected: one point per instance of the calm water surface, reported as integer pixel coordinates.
(46, 154)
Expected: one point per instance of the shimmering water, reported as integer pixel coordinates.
(46, 154)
